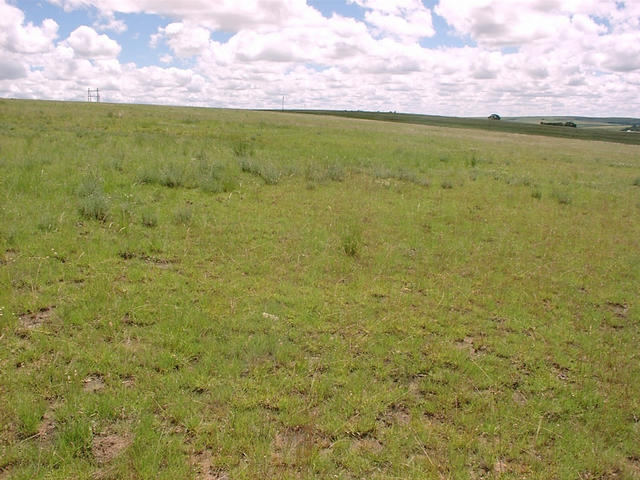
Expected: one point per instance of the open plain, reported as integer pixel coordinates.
(217, 294)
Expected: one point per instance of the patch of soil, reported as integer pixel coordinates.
(368, 444)
(108, 446)
(93, 383)
(519, 398)
(619, 309)
(396, 414)
(204, 468)
(33, 320)
(47, 426)
(469, 343)
(294, 445)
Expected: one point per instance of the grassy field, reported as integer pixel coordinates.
(209, 294)
(605, 129)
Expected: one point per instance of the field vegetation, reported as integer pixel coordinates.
(215, 294)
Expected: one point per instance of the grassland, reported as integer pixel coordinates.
(193, 293)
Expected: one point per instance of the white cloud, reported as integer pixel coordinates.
(87, 43)
(108, 22)
(567, 56)
(185, 40)
(18, 37)
(11, 69)
(404, 19)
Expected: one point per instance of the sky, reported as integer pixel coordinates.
(441, 57)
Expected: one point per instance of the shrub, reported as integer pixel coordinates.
(636, 182)
(537, 194)
(446, 184)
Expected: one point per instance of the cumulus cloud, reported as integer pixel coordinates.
(521, 56)
(185, 40)
(108, 22)
(87, 43)
(18, 37)
(11, 69)
(404, 19)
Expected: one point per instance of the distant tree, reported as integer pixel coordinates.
(494, 116)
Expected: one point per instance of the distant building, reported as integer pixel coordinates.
(494, 116)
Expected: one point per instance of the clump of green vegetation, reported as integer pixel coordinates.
(636, 182)
(537, 194)
(214, 177)
(183, 215)
(149, 218)
(93, 203)
(323, 172)
(561, 196)
(401, 174)
(242, 148)
(75, 438)
(351, 240)
(446, 184)
(29, 410)
(171, 175)
(47, 223)
(267, 171)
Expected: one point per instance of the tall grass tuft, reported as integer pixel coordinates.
(93, 203)
(351, 240)
(268, 172)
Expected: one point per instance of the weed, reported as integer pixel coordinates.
(446, 184)
(636, 182)
(537, 194)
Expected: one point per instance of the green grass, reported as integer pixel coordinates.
(197, 294)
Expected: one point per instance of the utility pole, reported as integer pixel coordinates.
(93, 94)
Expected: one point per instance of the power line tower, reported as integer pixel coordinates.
(93, 95)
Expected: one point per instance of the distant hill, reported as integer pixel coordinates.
(607, 129)
(582, 122)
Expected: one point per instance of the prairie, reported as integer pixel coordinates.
(216, 294)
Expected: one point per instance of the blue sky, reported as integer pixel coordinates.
(454, 57)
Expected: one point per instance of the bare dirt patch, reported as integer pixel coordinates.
(470, 344)
(31, 320)
(93, 383)
(47, 426)
(107, 446)
(396, 414)
(618, 309)
(293, 446)
(203, 465)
